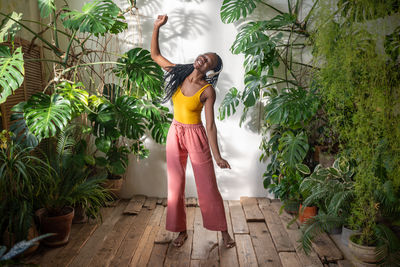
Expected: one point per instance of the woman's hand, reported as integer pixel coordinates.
(223, 164)
(160, 21)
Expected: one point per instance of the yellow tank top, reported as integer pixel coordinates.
(187, 109)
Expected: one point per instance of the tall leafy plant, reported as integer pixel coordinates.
(360, 85)
(290, 101)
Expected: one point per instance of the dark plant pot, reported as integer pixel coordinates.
(291, 206)
(306, 213)
(79, 215)
(114, 186)
(9, 240)
(346, 233)
(61, 225)
(364, 254)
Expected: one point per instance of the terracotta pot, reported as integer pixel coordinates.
(291, 206)
(61, 225)
(306, 213)
(362, 253)
(9, 240)
(114, 185)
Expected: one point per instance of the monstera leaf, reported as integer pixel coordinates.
(9, 27)
(130, 121)
(76, 94)
(18, 126)
(232, 10)
(97, 17)
(230, 102)
(254, 81)
(251, 32)
(11, 71)
(293, 147)
(292, 107)
(46, 7)
(45, 114)
(144, 75)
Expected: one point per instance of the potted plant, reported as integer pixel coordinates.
(20, 174)
(67, 185)
(332, 190)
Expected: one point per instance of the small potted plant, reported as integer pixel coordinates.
(67, 185)
(20, 174)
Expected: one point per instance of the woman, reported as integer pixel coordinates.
(190, 89)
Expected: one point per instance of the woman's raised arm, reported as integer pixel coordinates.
(154, 48)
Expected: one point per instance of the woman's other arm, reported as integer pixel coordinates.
(212, 128)
(154, 48)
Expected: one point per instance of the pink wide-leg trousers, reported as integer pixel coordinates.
(184, 140)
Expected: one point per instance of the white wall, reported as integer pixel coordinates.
(195, 27)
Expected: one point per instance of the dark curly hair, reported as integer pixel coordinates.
(178, 73)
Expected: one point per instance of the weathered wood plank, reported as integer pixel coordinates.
(163, 236)
(263, 245)
(158, 254)
(155, 218)
(326, 248)
(276, 228)
(344, 263)
(191, 202)
(251, 210)
(165, 202)
(129, 245)
(179, 256)
(146, 243)
(289, 259)
(135, 205)
(112, 242)
(150, 203)
(263, 201)
(227, 256)
(310, 260)
(50, 256)
(96, 240)
(239, 224)
(190, 212)
(204, 240)
(246, 254)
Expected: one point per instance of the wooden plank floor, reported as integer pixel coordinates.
(133, 234)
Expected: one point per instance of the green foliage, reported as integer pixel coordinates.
(11, 71)
(21, 133)
(9, 27)
(97, 17)
(75, 94)
(292, 107)
(293, 148)
(46, 7)
(230, 102)
(232, 10)
(45, 114)
(360, 85)
(143, 75)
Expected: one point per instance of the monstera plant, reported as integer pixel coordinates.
(76, 92)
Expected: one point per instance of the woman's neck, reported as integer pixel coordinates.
(195, 76)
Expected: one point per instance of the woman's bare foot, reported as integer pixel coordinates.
(228, 241)
(180, 239)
